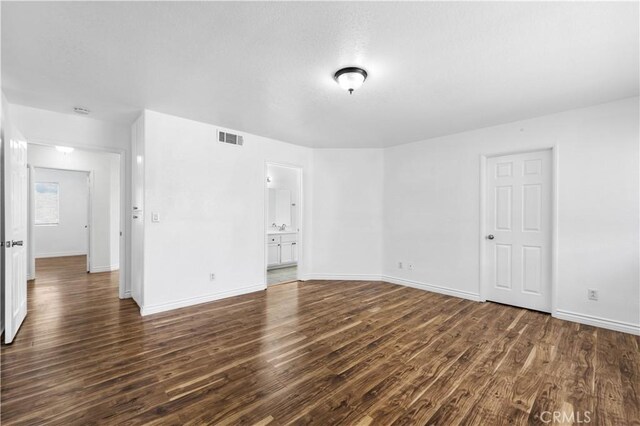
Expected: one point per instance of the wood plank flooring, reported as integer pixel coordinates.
(330, 352)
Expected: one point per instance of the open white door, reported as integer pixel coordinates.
(15, 229)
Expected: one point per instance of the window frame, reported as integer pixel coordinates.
(35, 206)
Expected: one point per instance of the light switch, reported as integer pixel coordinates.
(155, 217)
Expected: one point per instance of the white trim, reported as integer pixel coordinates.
(341, 277)
(61, 254)
(625, 327)
(31, 234)
(162, 307)
(561, 314)
(126, 295)
(90, 237)
(433, 288)
(398, 281)
(108, 268)
(554, 228)
(483, 227)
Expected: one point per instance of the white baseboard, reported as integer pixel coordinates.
(433, 288)
(162, 307)
(31, 277)
(341, 277)
(595, 321)
(394, 280)
(110, 268)
(61, 254)
(625, 327)
(127, 295)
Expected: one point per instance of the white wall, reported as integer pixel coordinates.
(347, 214)
(365, 210)
(40, 125)
(55, 128)
(210, 197)
(431, 208)
(104, 226)
(69, 237)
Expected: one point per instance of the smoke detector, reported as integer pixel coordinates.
(81, 110)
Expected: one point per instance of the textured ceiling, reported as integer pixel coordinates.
(434, 68)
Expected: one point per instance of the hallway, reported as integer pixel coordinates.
(70, 316)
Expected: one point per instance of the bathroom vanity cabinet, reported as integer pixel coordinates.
(282, 249)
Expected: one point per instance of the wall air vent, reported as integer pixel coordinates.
(231, 138)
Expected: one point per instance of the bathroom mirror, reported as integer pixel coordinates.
(280, 207)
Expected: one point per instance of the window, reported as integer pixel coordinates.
(47, 203)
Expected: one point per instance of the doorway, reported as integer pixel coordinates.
(60, 214)
(74, 209)
(283, 199)
(516, 241)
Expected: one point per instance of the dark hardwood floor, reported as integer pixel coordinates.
(325, 353)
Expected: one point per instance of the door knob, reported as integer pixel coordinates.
(490, 237)
(16, 243)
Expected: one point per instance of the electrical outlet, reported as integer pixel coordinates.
(592, 294)
(212, 276)
(400, 266)
(411, 267)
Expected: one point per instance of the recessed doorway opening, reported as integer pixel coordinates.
(74, 212)
(283, 198)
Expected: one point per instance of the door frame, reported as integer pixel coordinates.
(31, 254)
(483, 282)
(300, 207)
(32, 223)
(124, 289)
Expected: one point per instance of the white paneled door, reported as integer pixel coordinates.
(518, 230)
(15, 232)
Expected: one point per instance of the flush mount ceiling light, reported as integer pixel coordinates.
(350, 78)
(81, 111)
(64, 149)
